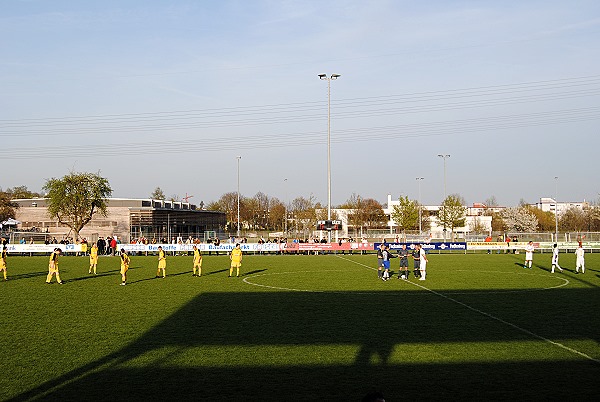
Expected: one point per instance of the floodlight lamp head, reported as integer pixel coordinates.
(335, 76)
(323, 76)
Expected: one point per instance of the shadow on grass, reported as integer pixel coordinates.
(130, 282)
(256, 271)
(91, 276)
(26, 276)
(237, 346)
(216, 272)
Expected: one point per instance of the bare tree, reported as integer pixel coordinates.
(573, 219)
(304, 214)
(228, 204)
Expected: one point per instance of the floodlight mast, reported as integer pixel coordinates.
(556, 210)
(444, 157)
(238, 195)
(329, 79)
(418, 179)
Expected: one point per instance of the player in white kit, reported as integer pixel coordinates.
(423, 266)
(529, 255)
(580, 263)
(555, 258)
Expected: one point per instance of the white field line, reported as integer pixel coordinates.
(245, 280)
(493, 317)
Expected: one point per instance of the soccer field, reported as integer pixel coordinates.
(294, 327)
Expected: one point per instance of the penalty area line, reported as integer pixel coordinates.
(493, 317)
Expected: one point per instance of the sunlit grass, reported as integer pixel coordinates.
(287, 314)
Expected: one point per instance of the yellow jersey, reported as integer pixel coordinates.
(236, 255)
(125, 260)
(53, 262)
(162, 259)
(197, 257)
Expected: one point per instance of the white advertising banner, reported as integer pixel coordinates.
(42, 248)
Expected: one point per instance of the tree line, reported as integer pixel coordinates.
(75, 198)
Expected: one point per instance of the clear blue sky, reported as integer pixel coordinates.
(168, 93)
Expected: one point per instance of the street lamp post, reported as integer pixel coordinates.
(285, 206)
(329, 79)
(418, 179)
(556, 209)
(238, 195)
(444, 157)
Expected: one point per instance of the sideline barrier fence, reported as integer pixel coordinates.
(306, 247)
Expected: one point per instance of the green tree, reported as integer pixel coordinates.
(75, 198)
(497, 222)
(158, 194)
(452, 213)
(406, 214)
(8, 209)
(21, 192)
(546, 219)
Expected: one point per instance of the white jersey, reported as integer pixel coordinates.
(555, 256)
(529, 252)
(422, 259)
(579, 252)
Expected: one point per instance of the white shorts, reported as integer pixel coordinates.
(529, 256)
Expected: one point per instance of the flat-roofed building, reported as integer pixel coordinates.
(127, 219)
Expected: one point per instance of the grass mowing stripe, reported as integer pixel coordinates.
(493, 317)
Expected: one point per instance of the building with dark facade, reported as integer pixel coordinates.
(128, 219)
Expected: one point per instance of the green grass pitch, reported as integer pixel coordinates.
(481, 327)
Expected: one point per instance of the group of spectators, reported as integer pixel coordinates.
(107, 246)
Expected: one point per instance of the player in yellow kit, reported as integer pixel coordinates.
(93, 259)
(124, 266)
(162, 262)
(3, 254)
(236, 259)
(53, 266)
(197, 262)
